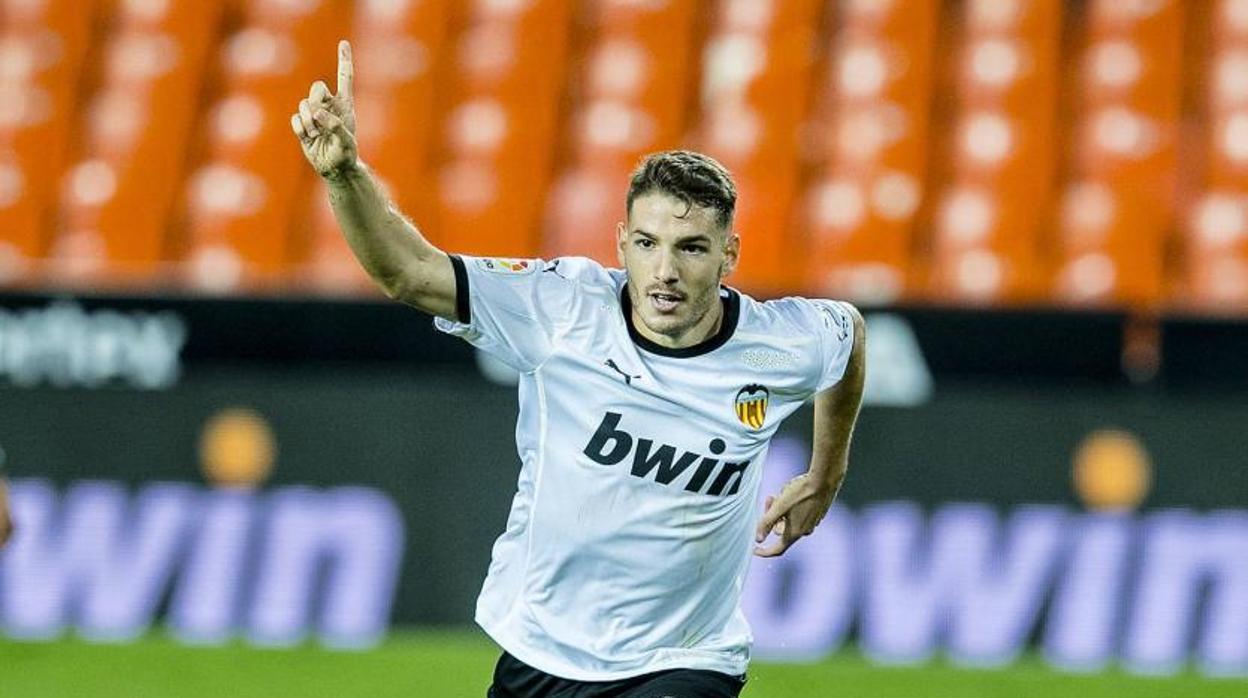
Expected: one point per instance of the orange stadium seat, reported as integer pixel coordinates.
(489, 183)
(996, 171)
(43, 46)
(883, 149)
(1225, 100)
(636, 64)
(643, 55)
(868, 150)
(498, 114)
(239, 202)
(1123, 157)
(21, 239)
(583, 206)
(312, 25)
(513, 50)
(629, 96)
(757, 69)
(1108, 240)
(116, 199)
(193, 25)
(245, 194)
(396, 47)
(1213, 270)
(767, 191)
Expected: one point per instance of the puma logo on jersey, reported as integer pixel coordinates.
(554, 267)
(663, 463)
(628, 378)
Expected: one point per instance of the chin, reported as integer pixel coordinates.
(665, 324)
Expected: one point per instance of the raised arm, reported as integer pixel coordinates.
(805, 500)
(389, 247)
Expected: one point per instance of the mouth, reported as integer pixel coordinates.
(665, 301)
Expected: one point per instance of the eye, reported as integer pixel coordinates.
(695, 249)
(643, 243)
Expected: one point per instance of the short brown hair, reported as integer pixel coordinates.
(694, 178)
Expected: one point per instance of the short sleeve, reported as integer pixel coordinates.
(511, 308)
(835, 328)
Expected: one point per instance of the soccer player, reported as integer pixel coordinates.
(648, 397)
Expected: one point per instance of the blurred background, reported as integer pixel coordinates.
(237, 470)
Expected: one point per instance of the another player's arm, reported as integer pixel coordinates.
(804, 501)
(389, 247)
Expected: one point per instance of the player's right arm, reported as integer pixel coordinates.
(406, 265)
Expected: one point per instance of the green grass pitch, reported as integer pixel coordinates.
(450, 664)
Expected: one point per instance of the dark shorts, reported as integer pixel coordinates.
(515, 679)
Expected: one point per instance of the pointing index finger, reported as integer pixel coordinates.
(346, 71)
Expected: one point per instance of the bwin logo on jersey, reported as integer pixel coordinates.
(752, 405)
(662, 462)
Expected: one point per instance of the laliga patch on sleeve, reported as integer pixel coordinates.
(503, 265)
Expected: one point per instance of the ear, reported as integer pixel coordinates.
(621, 236)
(732, 253)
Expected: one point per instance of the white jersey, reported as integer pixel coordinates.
(633, 524)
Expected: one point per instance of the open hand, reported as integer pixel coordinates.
(792, 515)
(325, 123)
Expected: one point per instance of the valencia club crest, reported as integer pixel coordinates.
(751, 405)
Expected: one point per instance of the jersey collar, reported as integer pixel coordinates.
(731, 307)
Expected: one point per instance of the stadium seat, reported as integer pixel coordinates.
(868, 151)
(117, 198)
(758, 63)
(21, 240)
(1212, 274)
(582, 209)
(883, 150)
(1215, 270)
(993, 174)
(497, 116)
(239, 202)
(312, 25)
(500, 47)
(43, 46)
(1123, 161)
(767, 191)
(1110, 252)
(627, 98)
(396, 48)
(246, 191)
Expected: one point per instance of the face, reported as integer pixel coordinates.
(675, 257)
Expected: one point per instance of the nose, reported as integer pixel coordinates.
(665, 270)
